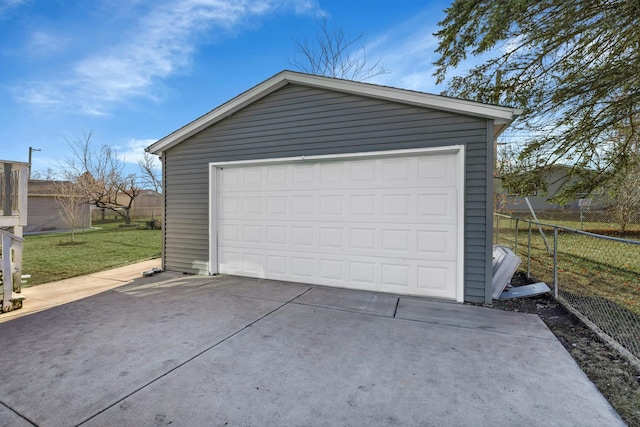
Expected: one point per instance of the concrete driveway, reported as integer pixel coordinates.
(207, 351)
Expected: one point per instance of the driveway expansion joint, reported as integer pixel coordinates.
(346, 352)
(18, 414)
(189, 360)
(396, 309)
(345, 310)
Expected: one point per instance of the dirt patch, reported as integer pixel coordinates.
(613, 375)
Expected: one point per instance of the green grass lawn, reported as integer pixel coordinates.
(51, 257)
(597, 227)
(598, 277)
(587, 266)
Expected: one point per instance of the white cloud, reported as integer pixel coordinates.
(5, 5)
(306, 6)
(39, 94)
(134, 150)
(45, 43)
(407, 52)
(161, 44)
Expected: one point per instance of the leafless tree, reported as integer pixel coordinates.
(623, 199)
(100, 174)
(48, 175)
(334, 54)
(71, 201)
(150, 175)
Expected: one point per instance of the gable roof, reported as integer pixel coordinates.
(502, 116)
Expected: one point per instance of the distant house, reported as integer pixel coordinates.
(541, 200)
(42, 211)
(147, 204)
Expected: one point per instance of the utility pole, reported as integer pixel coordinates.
(31, 150)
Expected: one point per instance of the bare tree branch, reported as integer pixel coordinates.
(100, 175)
(333, 54)
(150, 173)
(70, 200)
(48, 175)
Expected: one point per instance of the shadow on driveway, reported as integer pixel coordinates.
(193, 350)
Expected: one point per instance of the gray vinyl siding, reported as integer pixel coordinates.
(43, 215)
(297, 121)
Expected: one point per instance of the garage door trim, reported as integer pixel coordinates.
(457, 150)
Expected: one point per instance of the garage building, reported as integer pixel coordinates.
(325, 181)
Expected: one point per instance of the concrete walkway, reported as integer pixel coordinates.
(205, 351)
(48, 295)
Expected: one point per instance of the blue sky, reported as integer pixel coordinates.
(133, 71)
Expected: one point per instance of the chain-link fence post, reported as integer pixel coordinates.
(555, 263)
(529, 252)
(515, 244)
(599, 280)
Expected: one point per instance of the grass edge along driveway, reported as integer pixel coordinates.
(52, 257)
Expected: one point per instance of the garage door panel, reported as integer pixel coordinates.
(411, 240)
(303, 236)
(252, 234)
(232, 178)
(277, 264)
(277, 205)
(428, 279)
(253, 263)
(363, 238)
(435, 205)
(363, 273)
(363, 173)
(436, 170)
(440, 207)
(358, 272)
(302, 175)
(303, 267)
(229, 261)
(377, 223)
(332, 174)
(277, 176)
(230, 234)
(230, 205)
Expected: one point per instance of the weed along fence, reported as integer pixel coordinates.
(595, 277)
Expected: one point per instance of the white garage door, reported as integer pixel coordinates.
(383, 222)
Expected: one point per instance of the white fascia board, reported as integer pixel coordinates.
(501, 115)
(217, 114)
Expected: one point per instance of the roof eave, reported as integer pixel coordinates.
(223, 111)
(15, 162)
(502, 116)
(420, 99)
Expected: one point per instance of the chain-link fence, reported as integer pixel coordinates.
(597, 277)
(592, 219)
(136, 214)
